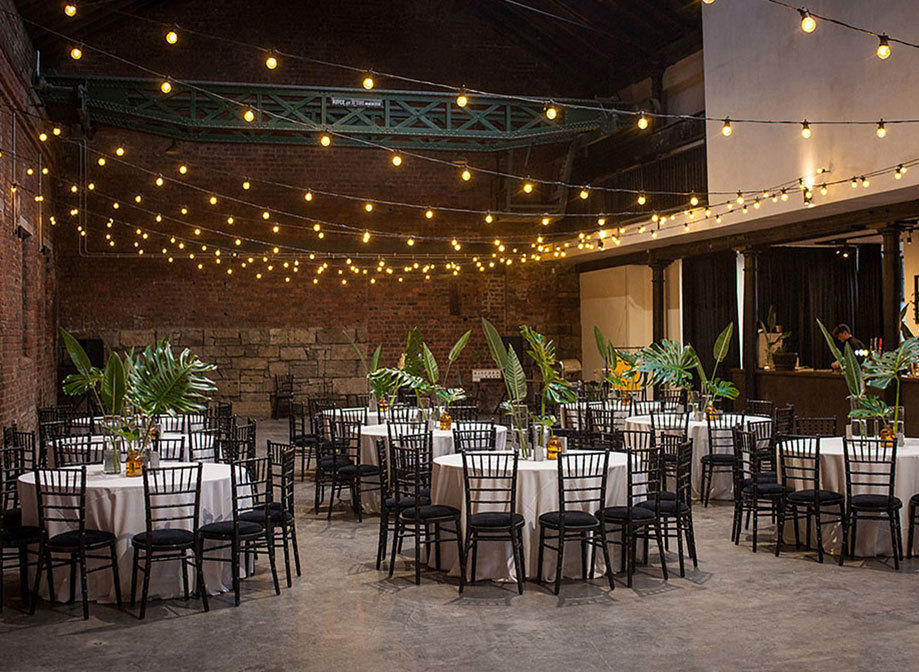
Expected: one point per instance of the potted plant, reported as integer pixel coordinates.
(515, 383)
(852, 373)
(442, 393)
(774, 337)
(882, 369)
(135, 391)
(555, 389)
(713, 387)
(670, 363)
(620, 370)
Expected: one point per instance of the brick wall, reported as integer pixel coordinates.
(27, 274)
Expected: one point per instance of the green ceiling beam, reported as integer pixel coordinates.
(213, 112)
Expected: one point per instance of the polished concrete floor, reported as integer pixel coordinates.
(738, 611)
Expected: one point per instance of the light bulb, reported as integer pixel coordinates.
(308, 196)
(584, 194)
(366, 237)
(740, 198)
(368, 207)
(271, 62)
(368, 82)
(429, 214)
(528, 187)
(70, 10)
(396, 160)
(882, 129)
(212, 200)
(489, 219)
(883, 47)
(726, 128)
(466, 175)
(551, 112)
(784, 195)
(642, 199)
(899, 172)
(462, 100)
(823, 190)
(865, 182)
(643, 121)
(325, 140)
(808, 23)
(101, 161)
(172, 37)
(56, 130)
(246, 185)
(805, 130)
(119, 151)
(43, 137)
(694, 200)
(249, 115)
(410, 242)
(76, 53)
(166, 86)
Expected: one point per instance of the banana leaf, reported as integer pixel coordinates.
(458, 347)
(430, 364)
(723, 343)
(114, 386)
(495, 344)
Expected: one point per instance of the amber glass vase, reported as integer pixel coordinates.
(553, 448)
(711, 412)
(445, 421)
(134, 465)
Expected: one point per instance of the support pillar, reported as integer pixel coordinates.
(750, 320)
(891, 286)
(658, 299)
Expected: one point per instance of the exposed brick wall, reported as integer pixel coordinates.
(27, 277)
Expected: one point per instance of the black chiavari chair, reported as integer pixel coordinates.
(233, 450)
(61, 495)
(301, 435)
(632, 522)
(400, 413)
(279, 512)
(172, 502)
(15, 538)
(464, 412)
(412, 459)
(170, 450)
(476, 438)
(251, 488)
(799, 460)
(871, 468)
(602, 426)
(763, 429)
(760, 407)
(672, 400)
(203, 446)
(77, 449)
(720, 456)
(754, 495)
(357, 476)
(663, 422)
(783, 420)
(490, 482)
(582, 478)
(822, 426)
(642, 407)
(24, 440)
(171, 423)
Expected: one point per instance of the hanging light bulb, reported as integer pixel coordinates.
(462, 100)
(246, 185)
(183, 169)
(396, 160)
(166, 86)
(642, 199)
(643, 121)
(694, 201)
(489, 219)
(882, 129)
(308, 196)
(726, 128)
(368, 207)
(898, 174)
(466, 175)
(366, 237)
(584, 194)
(854, 182)
(410, 242)
(249, 115)
(528, 187)
(325, 140)
(824, 190)
(784, 195)
(271, 62)
(865, 182)
(70, 9)
(76, 53)
(740, 198)
(883, 47)
(172, 37)
(101, 161)
(551, 111)
(429, 214)
(808, 22)
(805, 130)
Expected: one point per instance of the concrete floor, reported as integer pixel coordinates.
(738, 611)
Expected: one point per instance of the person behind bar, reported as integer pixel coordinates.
(843, 334)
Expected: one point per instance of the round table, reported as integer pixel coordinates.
(873, 537)
(537, 493)
(442, 441)
(722, 483)
(115, 503)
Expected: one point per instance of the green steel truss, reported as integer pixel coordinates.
(213, 112)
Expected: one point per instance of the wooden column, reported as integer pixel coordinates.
(891, 286)
(658, 299)
(750, 321)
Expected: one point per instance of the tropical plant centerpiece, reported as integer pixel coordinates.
(670, 363)
(713, 387)
(555, 389)
(880, 371)
(774, 337)
(620, 369)
(861, 406)
(136, 390)
(515, 383)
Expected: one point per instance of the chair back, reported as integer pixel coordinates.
(645, 467)
(643, 407)
(171, 450)
(284, 385)
(783, 420)
(475, 437)
(61, 495)
(202, 444)
(396, 430)
(818, 426)
(12, 437)
(670, 423)
(251, 484)
(720, 432)
(490, 481)
(281, 457)
(672, 400)
(464, 412)
(383, 463)
(676, 466)
(172, 423)
(573, 415)
(358, 399)
(871, 466)
(582, 477)
(353, 414)
(172, 497)
(761, 407)
(12, 466)
(412, 460)
(298, 422)
(602, 424)
(77, 449)
(346, 439)
(747, 461)
(402, 412)
(763, 429)
(799, 461)
(233, 450)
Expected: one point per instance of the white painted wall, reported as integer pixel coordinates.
(760, 64)
(619, 301)
(683, 87)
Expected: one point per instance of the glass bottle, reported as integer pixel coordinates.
(553, 448)
(445, 420)
(134, 465)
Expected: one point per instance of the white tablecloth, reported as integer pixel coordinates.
(116, 504)
(442, 445)
(722, 483)
(873, 536)
(537, 493)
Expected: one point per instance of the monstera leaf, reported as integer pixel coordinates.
(668, 363)
(162, 383)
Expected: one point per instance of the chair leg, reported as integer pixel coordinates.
(780, 526)
(853, 533)
(73, 579)
(293, 541)
(234, 563)
(148, 566)
(559, 560)
(317, 491)
(518, 565)
(384, 533)
(584, 556)
(660, 550)
(475, 554)
(609, 566)
(115, 575)
(38, 570)
(335, 484)
(691, 541)
(134, 563)
(395, 544)
(83, 587)
(893, 539)
(754, 508)
(269, 533)
(285, 538)
(200, 584)
(844, 523)
(819, 521)
(539, 556)
(461, 555)
(185, 574)
(418, 538)
(911, 531)
(679, 540)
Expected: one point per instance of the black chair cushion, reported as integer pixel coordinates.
(430, 512)
(764, 477)
(572, 519)
(364, 469)
(404, 502)
(880, 502)
(330, 461)
(766, 489)
(12, 518)
(301, 440)
(494, 519)
(665, 495)
(668, 506)
(71, 540)
(640, 514)
(275, 515)
(825, 496)
(718, 458)
(166, 538)
(224, 529)
(17, 536)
